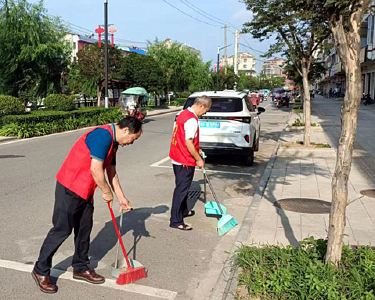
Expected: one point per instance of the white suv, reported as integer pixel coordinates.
(231, 126)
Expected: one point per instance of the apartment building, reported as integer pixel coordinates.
(334, 78)
(274, 67)
(246, 63)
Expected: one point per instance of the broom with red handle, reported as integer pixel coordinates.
(131, 274)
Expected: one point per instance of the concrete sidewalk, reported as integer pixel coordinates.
(307, 173)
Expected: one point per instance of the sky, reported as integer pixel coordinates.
(139, 21)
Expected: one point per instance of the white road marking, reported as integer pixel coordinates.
(158, 165)
(160, 162)
(109, 283)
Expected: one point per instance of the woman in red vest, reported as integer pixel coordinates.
(77, 179)
(185, 155)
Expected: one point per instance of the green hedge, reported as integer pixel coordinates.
(59, 102)
(183, 94)
(11, 106)
(178, 102)
(288, 273)
(41, 123)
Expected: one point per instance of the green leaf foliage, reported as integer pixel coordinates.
(288, 273)
(143, 71)
(11, 106)
(183, 69)
(40, 123)
(32, 50)
(59, 102)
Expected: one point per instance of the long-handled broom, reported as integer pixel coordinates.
(226, 222)
(211, 207)
(131, 274)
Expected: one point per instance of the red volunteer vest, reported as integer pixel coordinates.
(75, 173)
(179, 152)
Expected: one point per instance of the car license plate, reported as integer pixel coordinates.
(205, 124)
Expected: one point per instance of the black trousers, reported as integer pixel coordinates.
(70, 212)
(184, 177)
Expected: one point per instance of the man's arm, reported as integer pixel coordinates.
(97, 173)
(190, 146)
(116, 187)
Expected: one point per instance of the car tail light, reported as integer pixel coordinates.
(240, 119)
(247, 138)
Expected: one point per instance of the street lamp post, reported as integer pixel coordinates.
(106, 102)
(218, 64)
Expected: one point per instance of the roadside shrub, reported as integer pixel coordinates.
(183, 94)
(59, 102)
(288, 273)
(178, 102)
(41, 122)
(11, 106)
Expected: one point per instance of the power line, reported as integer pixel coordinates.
(224, 22)
(189, 15)
(196, 10)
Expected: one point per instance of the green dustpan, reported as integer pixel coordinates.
(212, 208)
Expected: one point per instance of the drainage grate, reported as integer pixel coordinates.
(368, 193)
(194, 195)
(303, 205)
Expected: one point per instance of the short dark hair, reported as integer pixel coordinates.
(133, 124)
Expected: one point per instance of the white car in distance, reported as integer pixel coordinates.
(231, 126)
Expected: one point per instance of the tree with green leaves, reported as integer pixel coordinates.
(226, 81)
(183, 69)
(33, 54)
(143, 71)
(345, 18)
(299, 34)
(91, 66)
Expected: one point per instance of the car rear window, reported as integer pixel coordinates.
(220, 104)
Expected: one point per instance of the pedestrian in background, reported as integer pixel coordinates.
(185, 155)
(82, 171)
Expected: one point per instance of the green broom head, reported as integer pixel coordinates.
(225, 224)
(212, 208)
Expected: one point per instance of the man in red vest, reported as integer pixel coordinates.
(185, 155)
(82, 171)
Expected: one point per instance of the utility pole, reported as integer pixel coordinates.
(106, 102)
(235, 63)
(225, 60)
(218, 68)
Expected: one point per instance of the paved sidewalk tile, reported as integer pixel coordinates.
(308, 174)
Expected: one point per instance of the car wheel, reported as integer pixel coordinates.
(249, 158)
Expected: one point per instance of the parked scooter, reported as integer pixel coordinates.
(283, 101)
(367, 100)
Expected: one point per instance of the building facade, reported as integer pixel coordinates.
(246, 63)
(334, 79)
(274, 68)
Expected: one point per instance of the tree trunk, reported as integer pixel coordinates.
(348, 46)
(306, 104)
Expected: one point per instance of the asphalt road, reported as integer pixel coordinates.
(181, 265)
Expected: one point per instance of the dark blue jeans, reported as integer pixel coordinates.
(184, 177)
(70, 212)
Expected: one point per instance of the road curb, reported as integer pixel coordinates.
(226, 285)
(156, 113)
(6, 139)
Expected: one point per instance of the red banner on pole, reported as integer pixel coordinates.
(99, 31)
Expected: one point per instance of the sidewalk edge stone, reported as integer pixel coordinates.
(225, 288)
